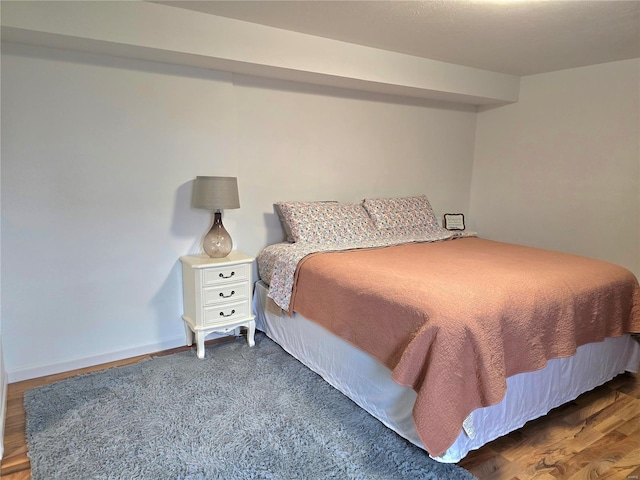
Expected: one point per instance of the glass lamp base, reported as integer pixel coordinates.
(217, 243)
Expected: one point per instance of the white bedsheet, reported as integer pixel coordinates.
(368, 383)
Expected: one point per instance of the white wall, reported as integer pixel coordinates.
(301, 142)
(560, 169)
(98, 155)
(3, 371)
(178, 36)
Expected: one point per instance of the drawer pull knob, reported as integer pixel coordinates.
(222, 314)
(222, 275)
(233, 292)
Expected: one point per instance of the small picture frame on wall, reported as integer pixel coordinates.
(454, 221)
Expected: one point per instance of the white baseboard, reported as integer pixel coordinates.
(74, 364)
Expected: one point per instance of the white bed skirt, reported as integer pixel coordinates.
(368, 383)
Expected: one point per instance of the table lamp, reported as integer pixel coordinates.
(216, 194)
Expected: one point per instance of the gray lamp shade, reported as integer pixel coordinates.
(215, 193)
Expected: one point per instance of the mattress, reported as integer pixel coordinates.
(368, 383)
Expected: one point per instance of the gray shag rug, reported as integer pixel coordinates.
(240, 413)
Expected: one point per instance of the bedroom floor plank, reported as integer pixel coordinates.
(478, 457)
(22, 475)
(596, 460)
(631, 389)
(626, 469)
(555, 459)
(497, 468)
(541, 476)
(559, 438)
(594, 410)
(630, 427)
(597, 436)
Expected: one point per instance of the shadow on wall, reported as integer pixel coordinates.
(167, 305)
(275, 230)
(190, 224)
(187, 222)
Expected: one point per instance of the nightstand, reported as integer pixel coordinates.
(217, 296)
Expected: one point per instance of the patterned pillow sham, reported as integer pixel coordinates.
(325, 222)
(283, 221)
(402, 216)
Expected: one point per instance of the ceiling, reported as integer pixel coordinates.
(519, 37)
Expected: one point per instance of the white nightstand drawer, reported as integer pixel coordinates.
(225, 313)
(225, 293)
(217, 296)
(224, 274)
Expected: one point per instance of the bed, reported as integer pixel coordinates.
(449, 339)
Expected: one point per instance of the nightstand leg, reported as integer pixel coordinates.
(251, 330)
(189, 334)
(200, 343)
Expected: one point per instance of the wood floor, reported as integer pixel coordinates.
(597, 436)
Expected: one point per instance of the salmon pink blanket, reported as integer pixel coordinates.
(454, 319)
